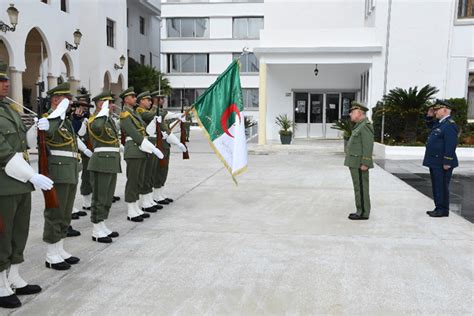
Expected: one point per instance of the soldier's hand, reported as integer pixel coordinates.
(446, 167)
(182, 147)
(88, 153)
(42, 182)
(431, 112)
(157, 153)
(364, 168)
(43, 124)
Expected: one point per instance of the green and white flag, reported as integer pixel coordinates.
(219, 113)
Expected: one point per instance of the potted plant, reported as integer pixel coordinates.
(345, 126)
(286, 128)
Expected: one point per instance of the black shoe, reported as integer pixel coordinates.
(145, 215)
(72, 260)
(82, 213)
(169, 200)
(58, 266)
(135, 219)
(71, 232)
(149, 209)
(113, 235)
(163, 202)
(28, 289)
(357, 217)
(104, 240)
(115, 199)
(439, 214)
(75, 216)
(86, 208)
(430, 212)
(11, 301)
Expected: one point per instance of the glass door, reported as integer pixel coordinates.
(316, 115)
(332, 110)
(301, 114)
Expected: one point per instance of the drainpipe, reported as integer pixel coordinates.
(385, 75)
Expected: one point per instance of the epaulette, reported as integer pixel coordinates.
(14, 108)
(45, 115)
(140, 110)
(91, 119)
(124, 115)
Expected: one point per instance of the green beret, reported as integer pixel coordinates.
(62, 89)
(357, 106)
(157, 94)
(3, 71)
(439, 104)
(143, 95)
(106, 95)
(127, 92)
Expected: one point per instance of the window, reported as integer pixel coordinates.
(249, 62)
(466, 9)
(63, 5)
(184, 97)
(247, 27)
(142, 59)
(188, 27)
(44, 1)
(142, 25)
(188, 63)
(110, 33)
(250, 98)
(364, 87)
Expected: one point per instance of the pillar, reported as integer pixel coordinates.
(75, 85)
(16, 86)
(262, 105)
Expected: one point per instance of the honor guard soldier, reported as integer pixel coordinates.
(17, 178)
(359, 159)
(103, 166)
(63, 165)
(137, 148)
(440, 155)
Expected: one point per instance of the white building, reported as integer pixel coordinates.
(201, 38)
(143, 23)
(361, 49)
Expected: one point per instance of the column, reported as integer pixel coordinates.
(262, 105)
(75, 84)
(16, 87)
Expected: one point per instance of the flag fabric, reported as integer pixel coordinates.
(219, 113)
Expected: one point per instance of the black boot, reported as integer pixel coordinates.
(103, 240)
(74, 216)
(115, 199)
(28, 289)
(71, 232)
(135, 219)
(11, 301)
(357, 217)
(72, 260)
(58, 266)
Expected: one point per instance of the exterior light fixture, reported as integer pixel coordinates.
(122, 63)
(316, 71)
(77, 40)
(13, 16)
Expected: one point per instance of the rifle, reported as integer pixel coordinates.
(159, 141)
(183, 134)
(122, 133)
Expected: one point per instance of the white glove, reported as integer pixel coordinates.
(104, 111)
(164, 135)
(183, 118)
(83, 148)
(151, 128)
(122, 149)
(32, 135)
(148, 147)
(87, 152)
(159, 119)
(157, 153)
(60, 110)
(43, 124)
(182, 147)
(83, 130)
(42, 182)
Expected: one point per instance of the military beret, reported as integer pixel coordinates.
(439, 104)
(106, 95)
(61, 89)
(3, 71)
(357, 106)
(143, 95)
(127, 92)
(157, 94)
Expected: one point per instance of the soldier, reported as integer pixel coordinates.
(359, 159)
(137, 147)
(103, 166)
(17, 178)
(63, 164)
(440, 155)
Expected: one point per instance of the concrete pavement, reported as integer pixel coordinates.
(279, 243)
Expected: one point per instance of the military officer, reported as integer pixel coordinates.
(440, 155)
(137, 146)
(359, 159)
(103, 166)
(63, 164)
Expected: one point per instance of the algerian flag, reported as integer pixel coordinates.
(219, 113)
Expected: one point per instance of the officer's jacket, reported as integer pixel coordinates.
(360, 146)
(104, 134)
(134, 128)
(147, 117)
(441, 145)
(61, 138)
(12, 141)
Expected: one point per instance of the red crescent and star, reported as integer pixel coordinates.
(226, 115)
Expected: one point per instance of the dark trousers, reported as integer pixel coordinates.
(102, 194)
(360, 181)
(136, 168)
(86, 182)
(161, 173)
(440, 179)
(57, 220)
(14, 227)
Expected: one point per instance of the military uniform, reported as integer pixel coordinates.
(358, 153)
(441, 151)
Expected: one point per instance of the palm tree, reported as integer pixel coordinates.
(409, 104)
(146, 78)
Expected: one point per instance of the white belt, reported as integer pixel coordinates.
(128, 138)
(107, 149)
(64, 153)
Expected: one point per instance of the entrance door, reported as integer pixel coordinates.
(316, 115)
(301, 114)
(332, 110)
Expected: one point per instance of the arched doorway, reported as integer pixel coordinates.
(107, 80)
(116, 88)
(35, 52)
(4, 54)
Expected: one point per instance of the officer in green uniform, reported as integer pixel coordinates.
(17, 178)
(137, 146)
(63, 164)
(359, 159)
(103, 166)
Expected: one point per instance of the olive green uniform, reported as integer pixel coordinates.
(160, 174)
(15, 196)
(64, 171)
(133, 127)
(359, 152)
(103, 166)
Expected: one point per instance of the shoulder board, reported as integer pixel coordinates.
(92, 118)
(14, 107)
(140, 110)
(45, 115)
(124, 115)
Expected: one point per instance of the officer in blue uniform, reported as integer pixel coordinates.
(440, 154)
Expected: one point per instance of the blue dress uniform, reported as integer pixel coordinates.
(440, 151)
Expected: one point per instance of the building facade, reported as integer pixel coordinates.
(201, 38)
(317, 56)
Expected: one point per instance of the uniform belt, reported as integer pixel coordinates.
(128, 138)
(64, 153)
(107, 149)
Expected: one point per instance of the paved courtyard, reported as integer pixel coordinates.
(279, 243)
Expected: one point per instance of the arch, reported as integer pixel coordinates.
(6, 54)
(67, 68)
(117, 87)
(107, 81)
